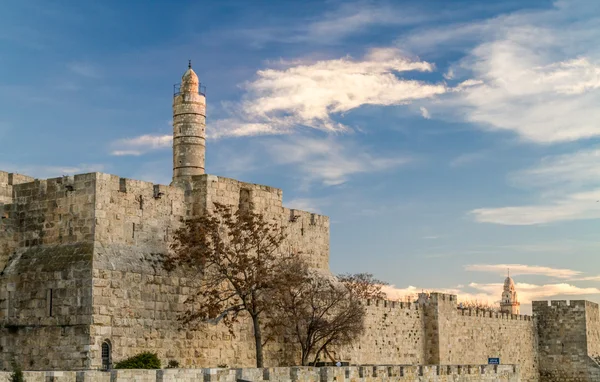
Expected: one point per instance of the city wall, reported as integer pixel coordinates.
(81, 263)
(458, 336)
(46, 268)
(568, 340)
(394, 333)
(449, 373)
(137, 303)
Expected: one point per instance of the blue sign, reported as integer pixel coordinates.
(493, 361)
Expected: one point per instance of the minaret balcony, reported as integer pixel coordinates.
(177, 90)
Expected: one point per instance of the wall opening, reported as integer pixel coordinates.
(49, 302)
(106, 355)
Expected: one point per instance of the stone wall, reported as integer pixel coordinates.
(394, 333)
(565, 351)
(46, 286)
(450, 373)
(307, 233)
(456, 336)
(136, 302)
(7, 181)
(9, 229)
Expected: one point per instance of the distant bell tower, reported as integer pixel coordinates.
(509, 303)
(189, 125)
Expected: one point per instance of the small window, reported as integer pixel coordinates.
(106, 355)
(49, 301)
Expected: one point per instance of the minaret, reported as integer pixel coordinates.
(509, 303)
(189, 124)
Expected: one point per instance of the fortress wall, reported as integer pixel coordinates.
(592, 326)
(308, 233)
(137, 213)
(45, 289)
(136, 302)
(394, 334)
(565, 350)
(468, 336)
(392, 373)
(8, 224)
(7, 181)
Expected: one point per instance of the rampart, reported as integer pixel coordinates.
(81, 264)
(457, 336)
(395, 373)
(394, 333)
(568, 336)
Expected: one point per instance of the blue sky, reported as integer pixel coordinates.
(445, 140)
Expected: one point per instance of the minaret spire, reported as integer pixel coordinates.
(189, 124)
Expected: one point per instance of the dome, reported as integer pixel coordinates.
(189, 81)
(190, 76)
(509, 284)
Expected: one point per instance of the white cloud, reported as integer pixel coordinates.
(425, 113)
(569, 186)
(328, 161)
(522, 269)
(572, 171)
(48, 171)
(346, 20)
(536, 74)
(141, 145)
(531, 292)
(491, 293)
(312, 94)
(304, 204)
(574, 207)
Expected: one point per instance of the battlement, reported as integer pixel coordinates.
(7, 181)
(563, 305)
(498, 315)
(390, 304)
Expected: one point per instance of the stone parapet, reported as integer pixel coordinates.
(392, 373)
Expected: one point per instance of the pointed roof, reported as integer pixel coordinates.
(189, 80)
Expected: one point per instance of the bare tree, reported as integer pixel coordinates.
(234, 254)
(479, 305)
(316, 311)
(363, 285)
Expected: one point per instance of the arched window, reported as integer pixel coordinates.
(106, 355)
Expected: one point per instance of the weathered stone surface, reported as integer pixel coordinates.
(450, 373)
(568, 340)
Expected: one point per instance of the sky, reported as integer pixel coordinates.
(446, 140)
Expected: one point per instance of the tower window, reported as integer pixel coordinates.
(106, 355)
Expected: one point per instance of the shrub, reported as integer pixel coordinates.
(145, 360)
(173, 364)
(17, 374)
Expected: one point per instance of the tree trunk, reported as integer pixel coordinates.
(258, 341)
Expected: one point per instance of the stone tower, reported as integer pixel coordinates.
(189, 125)
(509, 303)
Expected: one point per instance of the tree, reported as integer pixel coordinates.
(316, 311)
(363, 285)
(479, 305)
(235, 256)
